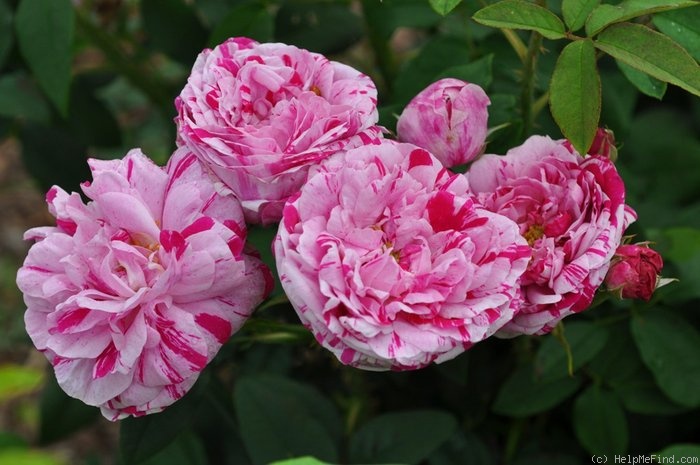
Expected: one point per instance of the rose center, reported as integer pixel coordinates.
(533, 233)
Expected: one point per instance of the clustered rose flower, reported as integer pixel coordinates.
(635, 271)
(389, 259)
(449, 119)
(260, 114)
(391, 264)
(571, 209)
(133, 293)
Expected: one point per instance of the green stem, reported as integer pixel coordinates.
(514, 434)
(270, 331)
(140, 75)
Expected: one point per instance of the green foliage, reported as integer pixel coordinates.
(45, 36)
(651, 52)
(584, 339)
(280, 418)
(575, 94)
(576, 12)
(683, 27)
(60, 415)
(670, 347)
(520, 14)
(17, 380)
(524, 393)
(444, 6)
(643, 82)
(405, 437)
(605, 15)
(600, 423)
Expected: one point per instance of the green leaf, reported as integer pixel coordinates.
(640, 394)
(444, 6)
(606, 15)
(402, 437)
(18, 380)
(61, 415)
(19, 98)
(676, 451)
(599, 422)
(187, 449)
(6, 36)
(585, 340)
(479, 72)
(575, 94)
(301, 461)
(178, 33)
(28, 457)
(670, 348)
(520, 14)
(314, 25)
(523, 394)
(280, 418)
(143, 437)
(576, 11)
(682, 245)
(463, 448)
(683, 27)
(45, 35)
(652, 53)
(248, 20)
(643, 82)
(619, 359)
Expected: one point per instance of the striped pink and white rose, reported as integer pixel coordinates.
(260, 114)
(390, 263)
(570, 209)
(132, 294)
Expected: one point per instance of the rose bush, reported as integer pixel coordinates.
(390, 263)
(449, 119)
(260, 114)
(133, 293)
(571, 209)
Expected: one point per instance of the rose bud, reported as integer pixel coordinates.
(449, 119)
(634, 271)
(603, 144)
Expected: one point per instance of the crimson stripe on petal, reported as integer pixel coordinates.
(219, 327)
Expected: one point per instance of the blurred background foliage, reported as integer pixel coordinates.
(94, 78)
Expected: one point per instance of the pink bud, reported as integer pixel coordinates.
(634, 271)
(604, 144)
(449, 119)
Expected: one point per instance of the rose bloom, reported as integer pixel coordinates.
(260, 114)
(571, 209)
(634, 272)
(391, 265)
(449, 119)
(131, 295)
